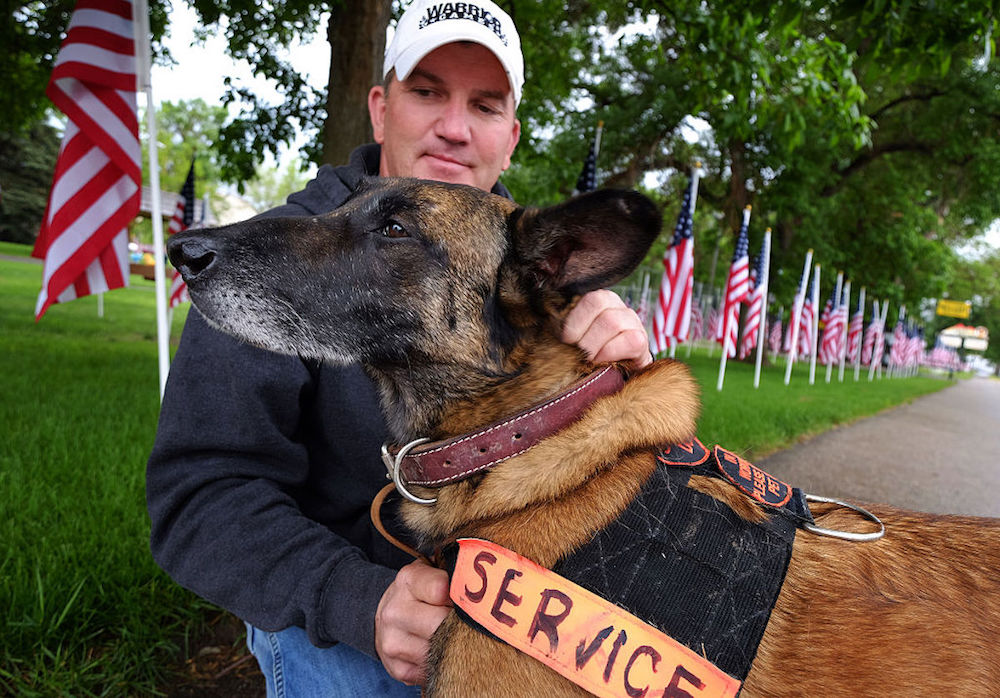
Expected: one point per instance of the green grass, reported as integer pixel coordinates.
(757, 422)
(14, 249)
(83, 608)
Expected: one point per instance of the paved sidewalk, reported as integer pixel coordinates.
(939, 454)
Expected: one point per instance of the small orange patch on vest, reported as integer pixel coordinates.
(751, 479)
(689, 453)
(593, 643)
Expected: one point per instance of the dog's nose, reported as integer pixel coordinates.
(191, 256)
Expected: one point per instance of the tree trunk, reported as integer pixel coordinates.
(357, 44)
(733, 206)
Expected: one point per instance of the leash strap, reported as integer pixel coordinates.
(376, 516)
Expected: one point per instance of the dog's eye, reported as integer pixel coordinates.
(392, 229)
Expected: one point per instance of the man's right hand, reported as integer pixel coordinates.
(410, 611)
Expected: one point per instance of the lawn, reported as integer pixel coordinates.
(85, 611)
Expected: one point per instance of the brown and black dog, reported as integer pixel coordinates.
(452, 300)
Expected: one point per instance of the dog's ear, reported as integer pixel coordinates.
(589, 242)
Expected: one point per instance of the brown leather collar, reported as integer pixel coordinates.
(442, 462)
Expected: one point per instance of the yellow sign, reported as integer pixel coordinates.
(949, 308)
(587, 639)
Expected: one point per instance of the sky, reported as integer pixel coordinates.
(201, 68)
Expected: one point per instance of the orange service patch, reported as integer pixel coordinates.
(593, 643)
(751, 479)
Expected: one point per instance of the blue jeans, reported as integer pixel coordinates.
(295, 668)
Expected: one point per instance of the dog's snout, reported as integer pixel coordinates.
(191, 256)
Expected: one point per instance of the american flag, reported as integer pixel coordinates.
(897, 354)
(879, 350)
(806, 324)
(854, 330)
(833, 332)
(697, 322)
(826, 340)
(871, 335)
(774, 335)
(181, 220)
(797, 304)
(643, 310)
(915, 345)
(942, 357)
(755, 306)
(96, 186)
(712, 327)
(672, 319)
(737, 289)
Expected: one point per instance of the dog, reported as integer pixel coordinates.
(452, 299)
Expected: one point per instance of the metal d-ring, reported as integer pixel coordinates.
(845, 535)
(393, 465)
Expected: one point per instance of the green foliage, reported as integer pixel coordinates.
(30, 35)
(187, 130)
(256, 33)
(271, 186)
(865, 132)
(26, 165)
(977, 280)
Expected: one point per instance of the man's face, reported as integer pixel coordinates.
(451, 120)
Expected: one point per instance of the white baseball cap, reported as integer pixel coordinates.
(427, 25)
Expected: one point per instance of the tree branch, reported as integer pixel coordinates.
(870, 156)
(922, 97)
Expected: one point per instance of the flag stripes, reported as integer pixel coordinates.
(755, 306)
(96, 185)
(831, 343)
(737, 289)
(672, 319)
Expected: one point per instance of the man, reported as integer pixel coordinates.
(264, 465)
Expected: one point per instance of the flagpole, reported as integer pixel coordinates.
(892, 364)
(141, 9)
(726, 314)
(695, 178)
(881, 335)
(815, 325)
(843, 336)
(876, 316)
(835, 308)
(762, 330)
(701, 314)
(861, 339)
(781, 314)
(796, 316)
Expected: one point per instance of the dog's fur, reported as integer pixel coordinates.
(452, 300)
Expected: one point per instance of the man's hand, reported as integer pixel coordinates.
(608, 330)
(410, 611)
